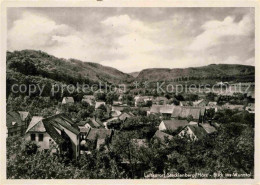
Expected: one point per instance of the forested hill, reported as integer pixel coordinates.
(226, 72)
(38, 63)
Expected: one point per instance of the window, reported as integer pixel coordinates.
(40, 137)
(32, 137)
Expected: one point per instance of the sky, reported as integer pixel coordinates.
(132, 39)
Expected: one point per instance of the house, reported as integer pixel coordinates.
(25, 117)
(108, 121)
(212, 105)
(89, 97)
(208, 128)
(196, 113)
(95, 123)
(119, 108)
(15, 124)
(200, 103)
(161, 109)
(166, 111)
(155, 109)
(172, 125)
(233, 107)
(36, 131)
(57, 133)
(99, 103)
(161, 100)
(67, 100)
(89, 101)
(185, 103)
(117, 102)
(94, 138)
(124, 116)
(162, 136)
(193, 132)
(139, 102)
(250, 107)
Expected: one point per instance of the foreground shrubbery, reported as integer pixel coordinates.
(231, 150)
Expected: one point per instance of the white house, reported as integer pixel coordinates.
(99, 103)
(67, 100)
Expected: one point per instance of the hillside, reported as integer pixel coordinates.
(214, 71)
(61, 69)
(134, 74)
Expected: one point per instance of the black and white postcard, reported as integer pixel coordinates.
(162, 92)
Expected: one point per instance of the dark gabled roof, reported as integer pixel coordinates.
(208, 128)
(64, 121)
(98, 134)
(184, 112)
(161, 135)
(13, 117)
(95, 123)
(198, 131)
(174, 124)
(82, 123)
(53, 132)
(118, 108)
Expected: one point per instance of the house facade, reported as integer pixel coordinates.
(15, 124)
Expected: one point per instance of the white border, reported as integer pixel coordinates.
(126, 3)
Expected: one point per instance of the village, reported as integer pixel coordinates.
(192, 120)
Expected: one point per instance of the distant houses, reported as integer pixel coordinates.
(179, 112)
